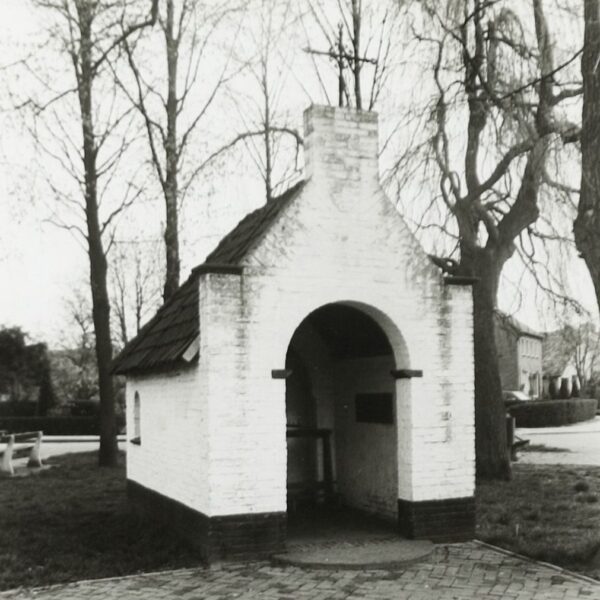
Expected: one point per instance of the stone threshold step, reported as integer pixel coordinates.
(379, 554)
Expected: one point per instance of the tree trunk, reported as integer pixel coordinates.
(101, 316)
(493, 458)
(98, 265)
(587, 223)
(171, 235)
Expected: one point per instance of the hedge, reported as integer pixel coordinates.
(51, 425)
(22, 408)
(553, 413)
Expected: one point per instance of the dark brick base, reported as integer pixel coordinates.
(247, 536)
(451, 520)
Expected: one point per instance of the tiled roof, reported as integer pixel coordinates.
(164, 340)
(235, 245)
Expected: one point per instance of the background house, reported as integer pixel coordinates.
(520, 351)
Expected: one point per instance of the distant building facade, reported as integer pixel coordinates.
(520, 351)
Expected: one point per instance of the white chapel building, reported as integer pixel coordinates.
(316, 352)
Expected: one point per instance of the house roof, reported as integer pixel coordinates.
(508, 321)
(169, 338)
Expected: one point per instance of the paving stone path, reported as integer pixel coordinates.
(457, 572)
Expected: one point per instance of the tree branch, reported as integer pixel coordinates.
(151, 21)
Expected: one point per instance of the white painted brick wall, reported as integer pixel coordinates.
(367, 452)
(173, 455)
(340, 241)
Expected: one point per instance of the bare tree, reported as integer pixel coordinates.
(136, 282)
(500, 88)
(576, 344)
(372, 34)
(587, 223)
(265, 130)
(173, 116)
(586, 343)
(78, 123)
(75, 370)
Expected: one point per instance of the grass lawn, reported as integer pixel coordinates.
(73, 522)
(548, 512)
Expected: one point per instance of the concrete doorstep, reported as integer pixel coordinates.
(388, 554)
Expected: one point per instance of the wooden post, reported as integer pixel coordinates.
(6, 464)
(35, 460)
(327, 466)
(510, 436)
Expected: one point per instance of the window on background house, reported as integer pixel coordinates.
(533, 385)
(137, 424)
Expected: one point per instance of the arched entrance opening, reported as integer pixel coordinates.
(341, 413)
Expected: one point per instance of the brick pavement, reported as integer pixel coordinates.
(457, 572)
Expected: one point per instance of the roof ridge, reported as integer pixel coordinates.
(164, 339)
(517, 325)
(234, 246)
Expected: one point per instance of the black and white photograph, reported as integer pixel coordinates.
(300, 299)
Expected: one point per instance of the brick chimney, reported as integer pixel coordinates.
(341, 148)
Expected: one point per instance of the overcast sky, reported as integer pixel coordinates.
(40, 265)
(37, 262)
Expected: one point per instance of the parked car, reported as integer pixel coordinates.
(514, 397)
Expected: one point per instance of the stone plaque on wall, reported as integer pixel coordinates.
(375, 408)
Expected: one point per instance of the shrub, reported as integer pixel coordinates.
(84, 408)
(52, 425)
(22, 408)
(58, 425)
(552, 413)
(582, 486)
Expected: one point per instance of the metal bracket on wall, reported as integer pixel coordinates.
(406, 373)
(460, 280)
(281, 373)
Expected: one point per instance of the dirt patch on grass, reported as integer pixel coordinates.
(549, 512)
(73, 522)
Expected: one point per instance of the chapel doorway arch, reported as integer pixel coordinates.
(342, 409)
